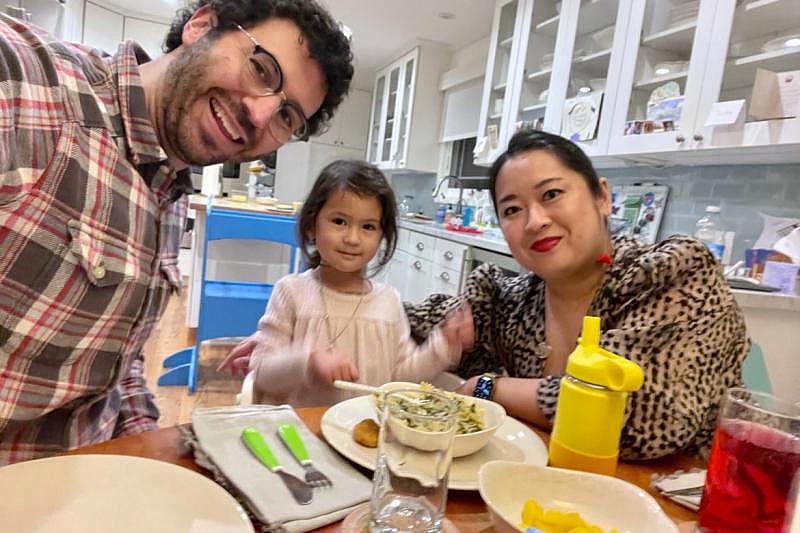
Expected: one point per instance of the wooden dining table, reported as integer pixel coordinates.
(465, 509)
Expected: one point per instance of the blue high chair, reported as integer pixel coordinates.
(229, 308)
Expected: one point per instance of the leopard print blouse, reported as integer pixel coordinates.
(665, 306)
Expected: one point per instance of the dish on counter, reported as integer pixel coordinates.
(513, 440)
(99, 493)
(604, 501)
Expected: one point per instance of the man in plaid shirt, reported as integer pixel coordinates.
(94, 153)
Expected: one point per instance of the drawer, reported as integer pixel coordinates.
(449, 254)
(403, 236)
(421, 246)
(446, 281)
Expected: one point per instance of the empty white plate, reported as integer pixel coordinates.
(101, 493)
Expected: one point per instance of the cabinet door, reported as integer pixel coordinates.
(662, 77)
(377, 119)
(754, 35)
(445, 281)
(500, 74)
(353, 120)
(397, 274)
(418, 279)
(408, 80)
(581, 104)
(388, 148)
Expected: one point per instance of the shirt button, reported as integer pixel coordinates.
(99, 270)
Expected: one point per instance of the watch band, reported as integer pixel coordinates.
(484, 387)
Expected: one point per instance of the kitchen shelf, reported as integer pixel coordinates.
(676, 39)
(596, 15)
(548, 27)
(536, 107)
(499, 87)
(595, 64)
(752, 18)
(652, 83)
(741, 72)
(539, 74)
(495, 116)
(506, 43)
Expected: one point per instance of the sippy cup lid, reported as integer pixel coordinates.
(592, 364)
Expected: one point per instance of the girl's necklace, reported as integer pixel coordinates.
(326, 317)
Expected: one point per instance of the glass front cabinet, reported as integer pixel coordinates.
(641, 80)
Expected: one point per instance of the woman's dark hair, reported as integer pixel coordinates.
(566, 151)
(327, 45)
(358, 177)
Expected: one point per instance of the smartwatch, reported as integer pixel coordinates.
(484, 387)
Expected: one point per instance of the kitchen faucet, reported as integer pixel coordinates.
(460, 191)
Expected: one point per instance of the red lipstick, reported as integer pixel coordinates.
(546, 244)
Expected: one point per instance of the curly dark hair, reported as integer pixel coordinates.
(326, 42)
(358, 177)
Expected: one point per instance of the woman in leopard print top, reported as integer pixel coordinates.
(665, 306)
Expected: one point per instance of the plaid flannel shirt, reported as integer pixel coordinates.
(90, 221)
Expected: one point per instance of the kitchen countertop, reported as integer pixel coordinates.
(478, 241)
(746, 299)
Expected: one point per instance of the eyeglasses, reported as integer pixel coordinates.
(264, 77)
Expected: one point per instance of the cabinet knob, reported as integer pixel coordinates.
(698, 137)
(680, 138)
(420, 246)
(445, 276)
(417, 265)
(448, 255)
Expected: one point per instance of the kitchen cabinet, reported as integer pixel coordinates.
(299, 163)
(549, 68)
(351, 121)
(423, 265)
(545, 57)
(711, 53)
(406, 111)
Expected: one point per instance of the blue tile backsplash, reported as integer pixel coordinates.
(742, 191)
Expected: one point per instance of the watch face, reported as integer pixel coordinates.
(483, 388)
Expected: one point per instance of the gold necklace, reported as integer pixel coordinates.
(326, 317)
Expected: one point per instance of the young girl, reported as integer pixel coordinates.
(331, 321)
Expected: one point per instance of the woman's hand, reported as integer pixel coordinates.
(458, 328)
(468, 387)
(329, 365)
(238, 361)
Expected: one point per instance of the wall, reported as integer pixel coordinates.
(420, 186)
(742, 191)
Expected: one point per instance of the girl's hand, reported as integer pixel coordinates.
(238, 361)
(328, 365)
(458, 328)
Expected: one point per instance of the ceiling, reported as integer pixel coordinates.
(382, 29)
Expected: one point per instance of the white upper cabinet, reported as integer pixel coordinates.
(350, 122)
(548, 68)
(710, 51)
(637, 80)
(407, 110)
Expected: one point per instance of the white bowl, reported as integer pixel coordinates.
(465, 444)
(603, 501)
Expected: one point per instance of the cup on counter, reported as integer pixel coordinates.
(415, 450)
(754, 459)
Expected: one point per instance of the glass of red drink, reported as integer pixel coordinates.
(754, 459)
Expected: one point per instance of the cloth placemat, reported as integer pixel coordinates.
(218, 432)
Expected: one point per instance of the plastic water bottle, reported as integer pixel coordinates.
(709, 231)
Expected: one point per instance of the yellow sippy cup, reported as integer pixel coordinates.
(591, 405)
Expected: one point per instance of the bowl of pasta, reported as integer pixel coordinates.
(477, 419)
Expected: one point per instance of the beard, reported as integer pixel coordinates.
(185, 82)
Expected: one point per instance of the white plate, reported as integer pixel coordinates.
(513, 441)
(100, 493)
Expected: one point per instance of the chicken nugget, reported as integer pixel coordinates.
(366, 433)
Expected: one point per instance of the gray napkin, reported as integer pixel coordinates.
(685, 488)
(218, 431)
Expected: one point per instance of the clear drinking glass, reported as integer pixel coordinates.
(415, 449)
(754, 459)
